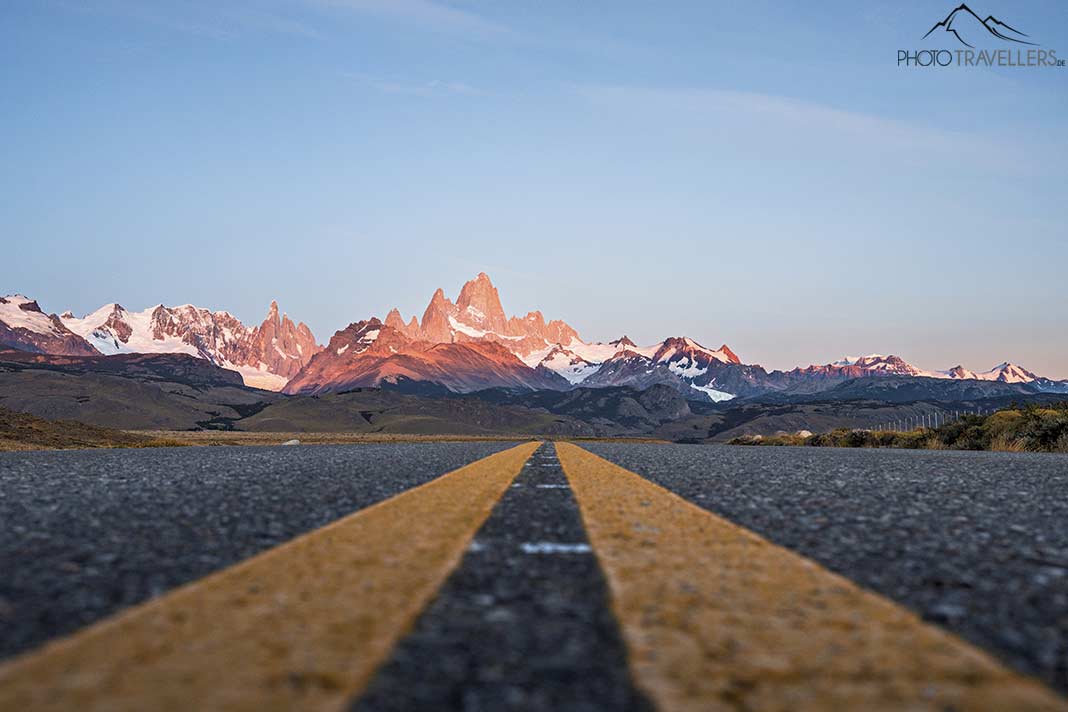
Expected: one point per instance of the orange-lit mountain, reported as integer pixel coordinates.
(477, 316)
(471, 343)
(370, 353)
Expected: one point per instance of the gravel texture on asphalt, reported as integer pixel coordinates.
(522, 624)
(84, 534)
(974, 542)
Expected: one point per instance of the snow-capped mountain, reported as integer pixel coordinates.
(266, 356)
(959, 373)
(1003, 373)
(679, 362)
(634, 368)
(568, 364)
(878, 363)
(25, 327)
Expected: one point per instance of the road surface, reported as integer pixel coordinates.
(86, 533)
(974, 541)
(670, 577)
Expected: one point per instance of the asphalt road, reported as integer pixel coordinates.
(86, 533)
(522, 624)
(975, 542)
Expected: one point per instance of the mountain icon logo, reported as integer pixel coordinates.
(965, 25)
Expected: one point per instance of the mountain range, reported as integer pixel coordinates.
(460, 346)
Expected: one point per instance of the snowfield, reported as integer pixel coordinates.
(15, 317)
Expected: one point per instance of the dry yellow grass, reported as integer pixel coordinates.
(1006, 443)
(23, 431)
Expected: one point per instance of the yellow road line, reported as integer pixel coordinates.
(717, 618)
(302, 626)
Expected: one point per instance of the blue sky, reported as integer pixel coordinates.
(759, 173)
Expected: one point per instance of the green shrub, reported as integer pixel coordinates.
(1062, 443)
(910, 440)
(1032, 428)
(1044, 429)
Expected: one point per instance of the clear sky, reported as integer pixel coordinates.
(759, 173)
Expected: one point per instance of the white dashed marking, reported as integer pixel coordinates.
(552, 547)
